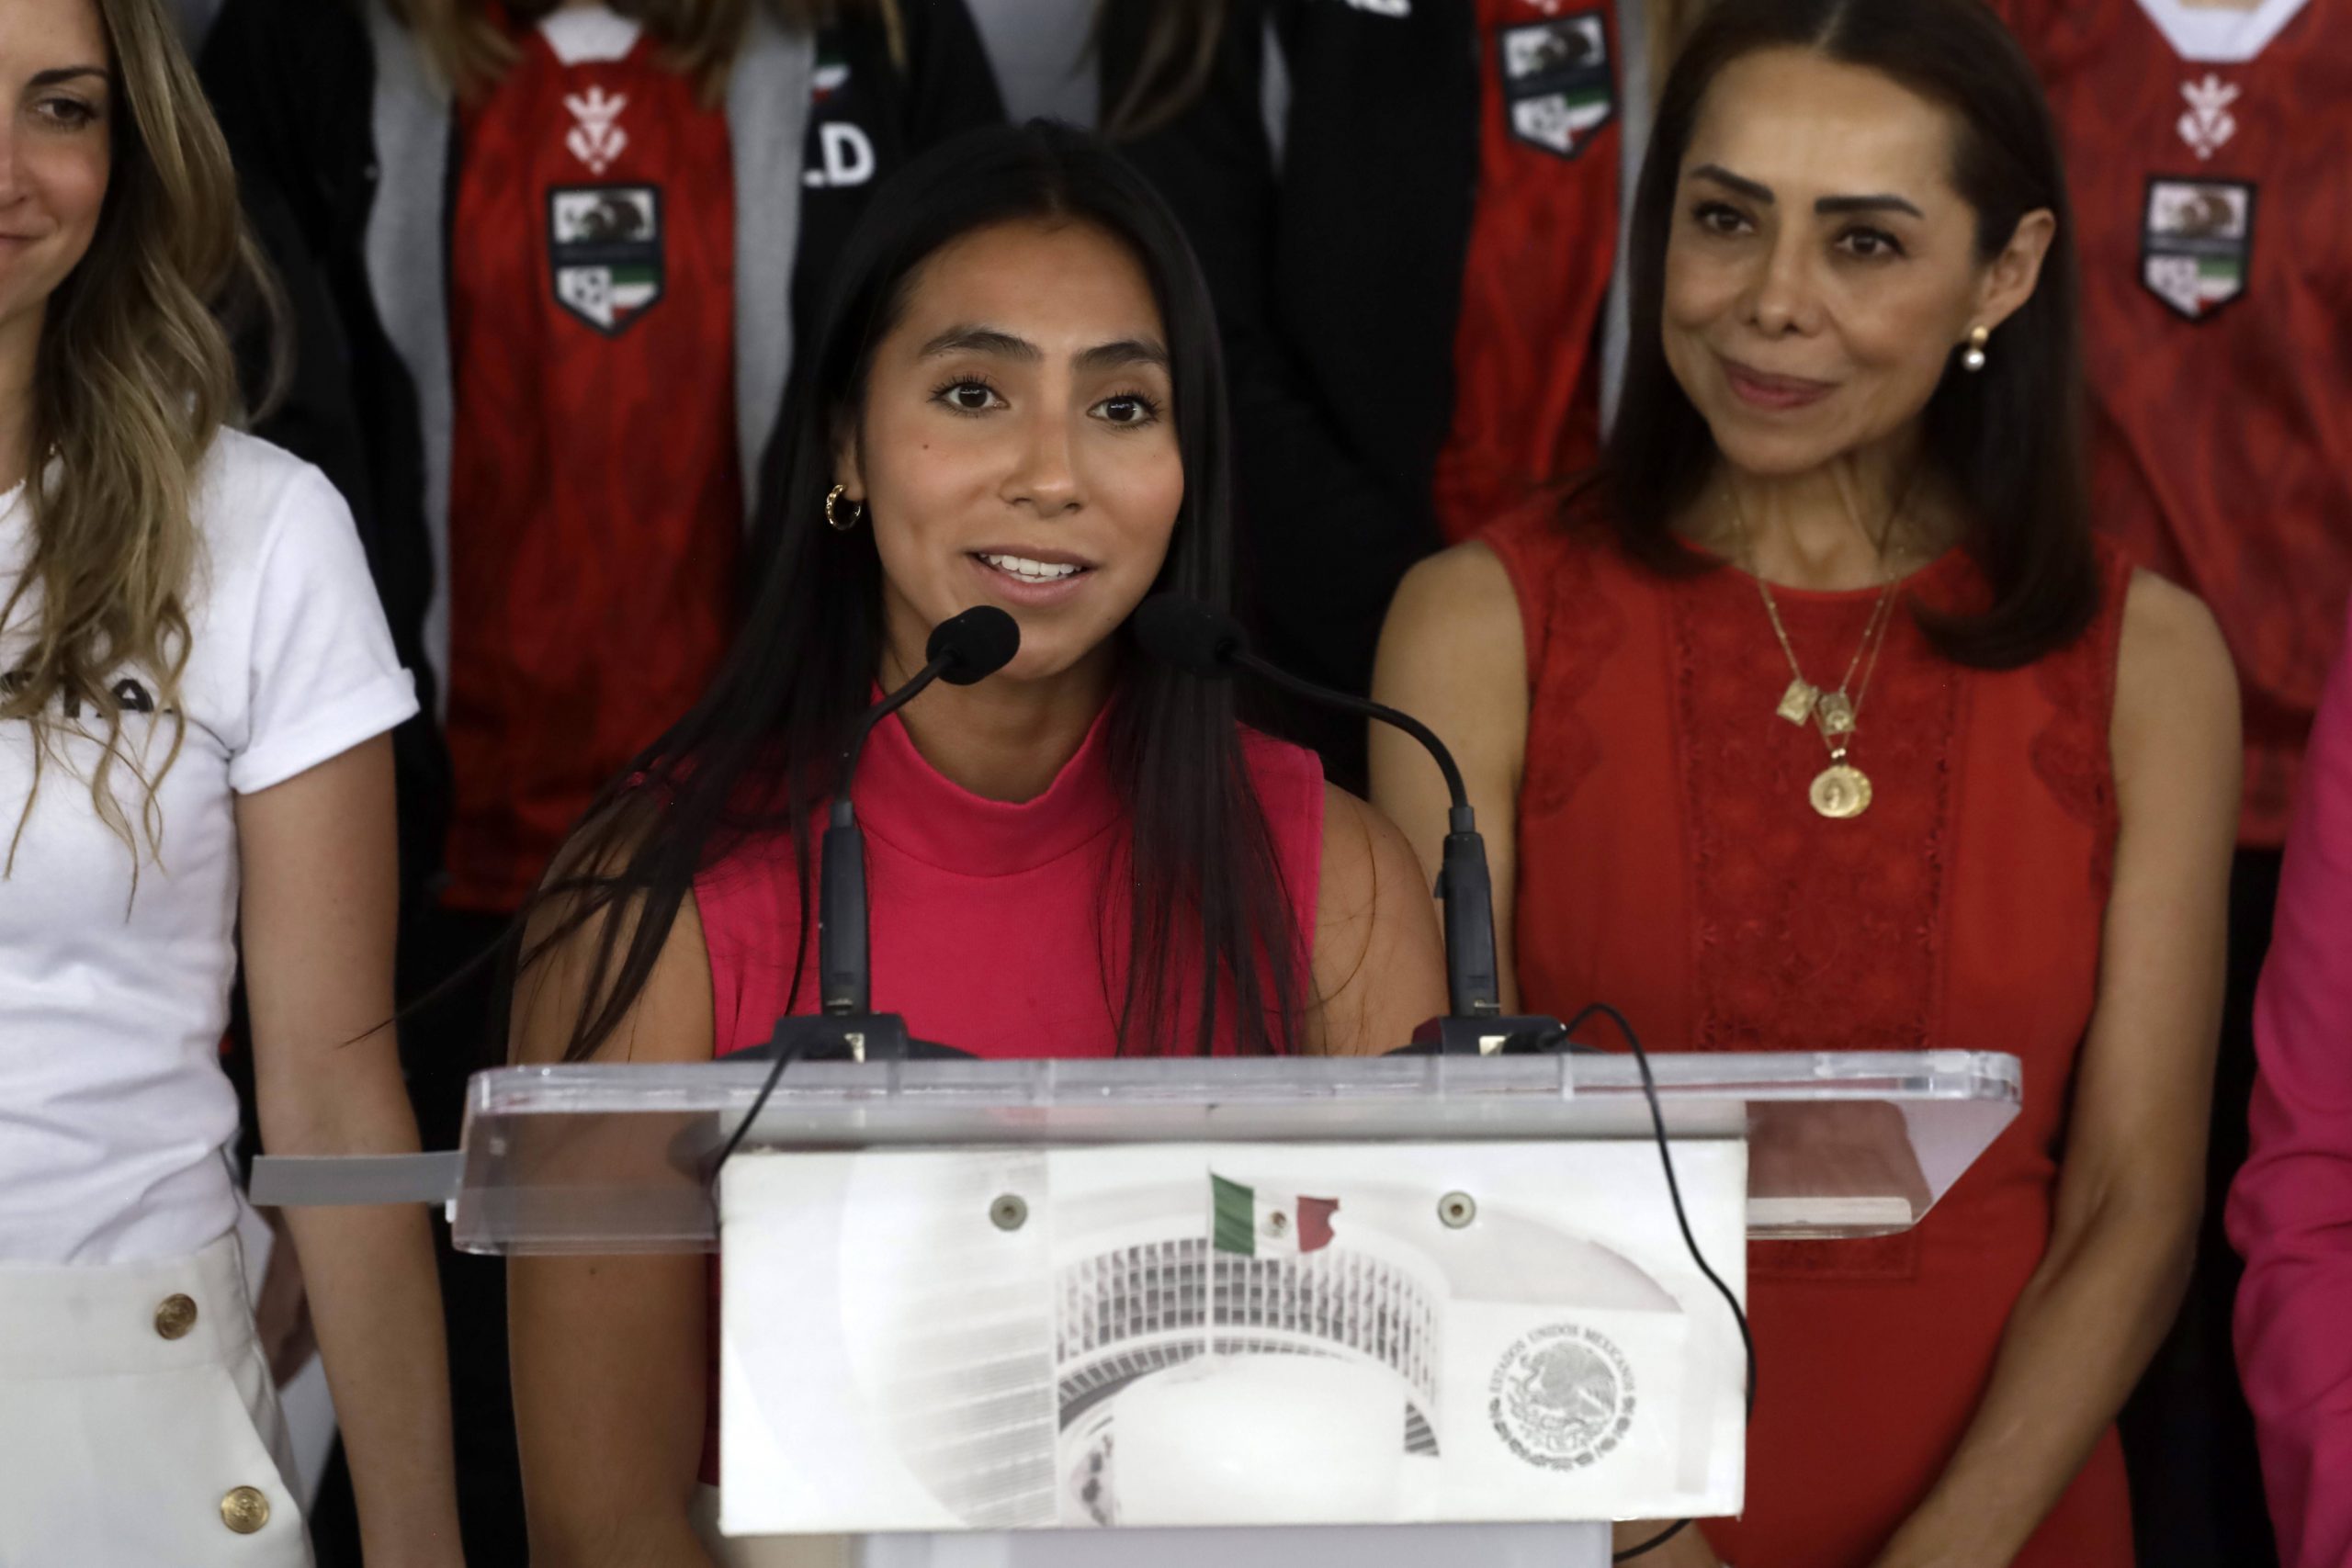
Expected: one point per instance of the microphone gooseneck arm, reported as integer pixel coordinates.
(1464, 886)
(964, 649)
(844, 969)
(1461, 818)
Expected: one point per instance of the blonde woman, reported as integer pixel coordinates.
(195, 685)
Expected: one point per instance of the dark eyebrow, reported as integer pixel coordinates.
(1005, 345)
(982, 339)
(1722, 176)
(1829, 205)
(1126, 352)
(66, 73)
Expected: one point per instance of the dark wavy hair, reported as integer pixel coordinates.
(2008, 439)
(757, 755)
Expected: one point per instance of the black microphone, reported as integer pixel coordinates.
(963, 649)
(1204, 641)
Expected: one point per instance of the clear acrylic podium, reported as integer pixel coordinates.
(975, 1311)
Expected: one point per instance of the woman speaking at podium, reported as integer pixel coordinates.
(1015, 400)
(1822, 722)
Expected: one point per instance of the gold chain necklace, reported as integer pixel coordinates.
(1841, 790)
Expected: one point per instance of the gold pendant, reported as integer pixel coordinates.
(1836, 712)
(1796, 703)
(1841, 790)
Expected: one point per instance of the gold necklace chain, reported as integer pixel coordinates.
(1833, 713)
(1841, 790)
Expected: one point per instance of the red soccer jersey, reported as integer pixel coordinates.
(1542, 242)
(2209, 156)
(595, 509)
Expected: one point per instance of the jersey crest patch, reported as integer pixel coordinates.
(596, 137)
(2196, 241)
(2207, 125)
(1558, 86)
(605, 248)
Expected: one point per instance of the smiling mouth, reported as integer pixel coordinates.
(1765, 390)
(1028, 569)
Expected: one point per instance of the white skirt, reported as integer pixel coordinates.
(138, 1426)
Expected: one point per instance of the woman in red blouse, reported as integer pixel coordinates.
(1819, 721)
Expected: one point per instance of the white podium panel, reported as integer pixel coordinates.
(1240, 1334)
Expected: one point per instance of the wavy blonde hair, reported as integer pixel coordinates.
(133, 380)
(702, 38)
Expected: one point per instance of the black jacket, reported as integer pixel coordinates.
(1332, 220)
(295, 84)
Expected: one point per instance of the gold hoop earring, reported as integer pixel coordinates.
(1974, 360)
(833, 519)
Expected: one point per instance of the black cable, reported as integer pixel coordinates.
(788, 1052)
(1681, 1218)
(1674, 1188)
(1669, 1533)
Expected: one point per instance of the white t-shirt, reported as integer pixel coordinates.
(113, 1107)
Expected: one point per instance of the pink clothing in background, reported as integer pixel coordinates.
(2290, 1213)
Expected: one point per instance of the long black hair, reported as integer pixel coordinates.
(758, 754)
(2008, 439)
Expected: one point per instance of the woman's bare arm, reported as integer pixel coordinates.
(1379, 970)
(2131, 1187)
(320, 902)
(610, 1354)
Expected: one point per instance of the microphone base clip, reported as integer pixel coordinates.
(851, 1037)
(1498, 1036)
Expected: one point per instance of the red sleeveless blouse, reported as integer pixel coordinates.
(999, 927)
(1669, 863)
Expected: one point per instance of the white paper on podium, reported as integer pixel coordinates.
(892, 1358)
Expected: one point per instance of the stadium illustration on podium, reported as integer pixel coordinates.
(1076, 1338)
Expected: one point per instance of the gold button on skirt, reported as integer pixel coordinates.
(244, 1509)
(175, 1317)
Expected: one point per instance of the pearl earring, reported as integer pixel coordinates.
(1974, 359)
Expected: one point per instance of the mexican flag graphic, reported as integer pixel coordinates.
(1254, 1224)
(2194, 242)
(632, 290)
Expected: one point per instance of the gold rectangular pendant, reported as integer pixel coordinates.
(1836, 714)
(1796, 703)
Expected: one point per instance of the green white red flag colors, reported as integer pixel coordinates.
(1253, 1224)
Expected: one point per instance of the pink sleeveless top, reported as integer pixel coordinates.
(997, 928)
